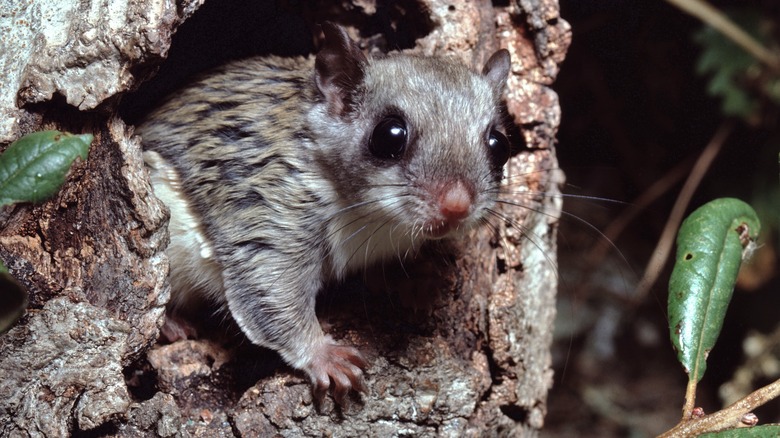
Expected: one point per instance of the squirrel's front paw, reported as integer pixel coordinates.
(339, 367)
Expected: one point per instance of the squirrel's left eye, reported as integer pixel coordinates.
(389, 138)
(498, 148)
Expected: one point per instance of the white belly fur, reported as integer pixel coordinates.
(194, 271)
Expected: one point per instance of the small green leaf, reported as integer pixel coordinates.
(34, 167)
(710, 248)
(765, 431)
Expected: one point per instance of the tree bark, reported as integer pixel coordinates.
(84, 357)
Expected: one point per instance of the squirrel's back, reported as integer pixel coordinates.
(224, 156)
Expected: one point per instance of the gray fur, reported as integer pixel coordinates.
(276, 193)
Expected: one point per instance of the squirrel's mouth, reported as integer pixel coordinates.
(440, 228)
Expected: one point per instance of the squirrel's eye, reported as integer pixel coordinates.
(389, 138)
(498, 148)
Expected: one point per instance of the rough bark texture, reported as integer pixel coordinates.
(84, 356)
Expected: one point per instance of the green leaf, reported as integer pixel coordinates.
(710, 248)
(34, 167)
(765, 431)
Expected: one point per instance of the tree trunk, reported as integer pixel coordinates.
(84, 356)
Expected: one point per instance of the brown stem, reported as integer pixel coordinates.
(690, 400)
(725, 418)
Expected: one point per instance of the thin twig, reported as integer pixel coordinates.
(720, 22)
(615, 229)
(664, 246)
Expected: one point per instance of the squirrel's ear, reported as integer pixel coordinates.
(497, 68)
(338, 69)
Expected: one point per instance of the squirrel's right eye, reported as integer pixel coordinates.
(499, 148)
(389, 138)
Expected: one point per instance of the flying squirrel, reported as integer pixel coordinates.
(284, 174)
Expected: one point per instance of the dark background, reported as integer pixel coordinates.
(634, 108)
